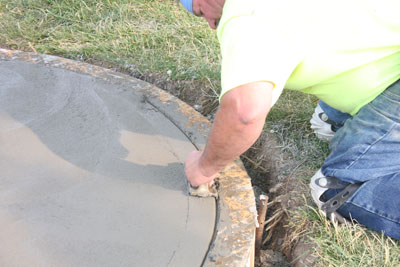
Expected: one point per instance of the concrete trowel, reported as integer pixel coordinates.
(204, 190)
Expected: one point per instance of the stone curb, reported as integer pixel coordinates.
(233, 241)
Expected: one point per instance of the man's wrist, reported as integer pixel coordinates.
(207, 167)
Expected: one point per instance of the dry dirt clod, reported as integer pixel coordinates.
(270, 258)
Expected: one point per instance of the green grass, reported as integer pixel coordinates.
(347, 244)
(159, 37)
(290, 121)
(145, 35)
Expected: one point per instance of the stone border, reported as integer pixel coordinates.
(233, 241)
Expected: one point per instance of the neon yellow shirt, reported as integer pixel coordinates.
(346, 52)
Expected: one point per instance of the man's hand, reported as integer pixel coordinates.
(238, 123)
(194, 173)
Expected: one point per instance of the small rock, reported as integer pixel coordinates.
(277, 187)
(213, 257)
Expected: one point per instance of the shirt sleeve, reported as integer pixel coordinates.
(254, 50)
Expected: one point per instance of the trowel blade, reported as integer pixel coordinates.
(204, 190)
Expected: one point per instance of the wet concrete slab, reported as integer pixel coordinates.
(91, 174)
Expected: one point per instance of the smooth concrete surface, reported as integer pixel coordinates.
(91, 174)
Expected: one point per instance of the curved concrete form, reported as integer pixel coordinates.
(91, 173)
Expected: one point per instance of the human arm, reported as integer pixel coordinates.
(238, 123)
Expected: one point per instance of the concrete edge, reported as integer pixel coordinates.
(233, 241)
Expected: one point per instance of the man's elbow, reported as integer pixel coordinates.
(248, 104)
(252, 115)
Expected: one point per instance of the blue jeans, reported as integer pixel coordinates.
(334, 115)
(366, 150)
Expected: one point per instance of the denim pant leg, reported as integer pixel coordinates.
(367, 150)
(334, 115)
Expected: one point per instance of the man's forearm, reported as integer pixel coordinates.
(236, 127)
(229, 138)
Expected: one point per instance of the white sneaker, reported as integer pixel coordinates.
(318, 188)
(320, 127)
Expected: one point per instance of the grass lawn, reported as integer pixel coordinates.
(160, 42)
